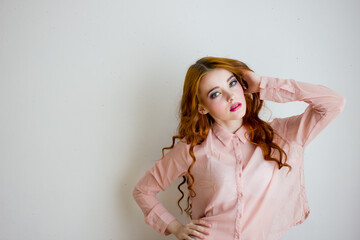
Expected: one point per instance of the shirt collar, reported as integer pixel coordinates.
(225, 136)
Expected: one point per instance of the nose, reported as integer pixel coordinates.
(231, 98)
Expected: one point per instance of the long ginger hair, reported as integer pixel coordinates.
(194, 127)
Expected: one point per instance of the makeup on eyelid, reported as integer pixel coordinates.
(233, 80)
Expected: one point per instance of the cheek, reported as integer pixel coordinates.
(216, 106)
(241, 95)
(240, 92)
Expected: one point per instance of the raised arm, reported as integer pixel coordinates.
(324, 105)
(159, 177)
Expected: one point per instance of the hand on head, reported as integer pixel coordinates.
(253, 81)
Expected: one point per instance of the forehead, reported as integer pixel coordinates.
(217, 74)
(214, 77)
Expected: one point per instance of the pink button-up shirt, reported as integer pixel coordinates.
(242, 195)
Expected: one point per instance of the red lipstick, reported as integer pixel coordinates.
(235, 107)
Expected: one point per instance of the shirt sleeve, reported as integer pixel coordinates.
(164, 172)
(324, 105)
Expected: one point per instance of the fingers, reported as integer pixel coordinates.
(195, 234)
(198, 228)
(186, 237)
(201, 222)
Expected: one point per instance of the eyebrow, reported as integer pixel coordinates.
(232, 75)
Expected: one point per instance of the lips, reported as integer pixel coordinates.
(235, 107)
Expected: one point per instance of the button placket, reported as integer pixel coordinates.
(238, 172)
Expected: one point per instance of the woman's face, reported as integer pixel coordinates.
(222, 97)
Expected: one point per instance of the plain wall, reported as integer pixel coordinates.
(89, 94)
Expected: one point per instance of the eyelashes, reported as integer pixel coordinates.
(232, 83)
(214, 95)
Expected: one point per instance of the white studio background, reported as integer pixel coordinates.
(89, 93)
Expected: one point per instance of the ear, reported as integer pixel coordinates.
(202, 109)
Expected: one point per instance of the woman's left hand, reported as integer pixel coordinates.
(253, 81)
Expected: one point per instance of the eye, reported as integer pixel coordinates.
(214, 95)
(233, 82)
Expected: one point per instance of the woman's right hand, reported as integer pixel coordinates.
(195, 227)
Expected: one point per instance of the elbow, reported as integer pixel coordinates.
(343, 103)
(336, 104)
(139, 194)
(136, 193)
(340, 103)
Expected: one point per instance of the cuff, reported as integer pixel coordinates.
(265, 88)
(159, 218)
(276, 89)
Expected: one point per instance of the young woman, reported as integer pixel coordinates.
(244, 176)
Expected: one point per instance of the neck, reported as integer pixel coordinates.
(232, 126)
